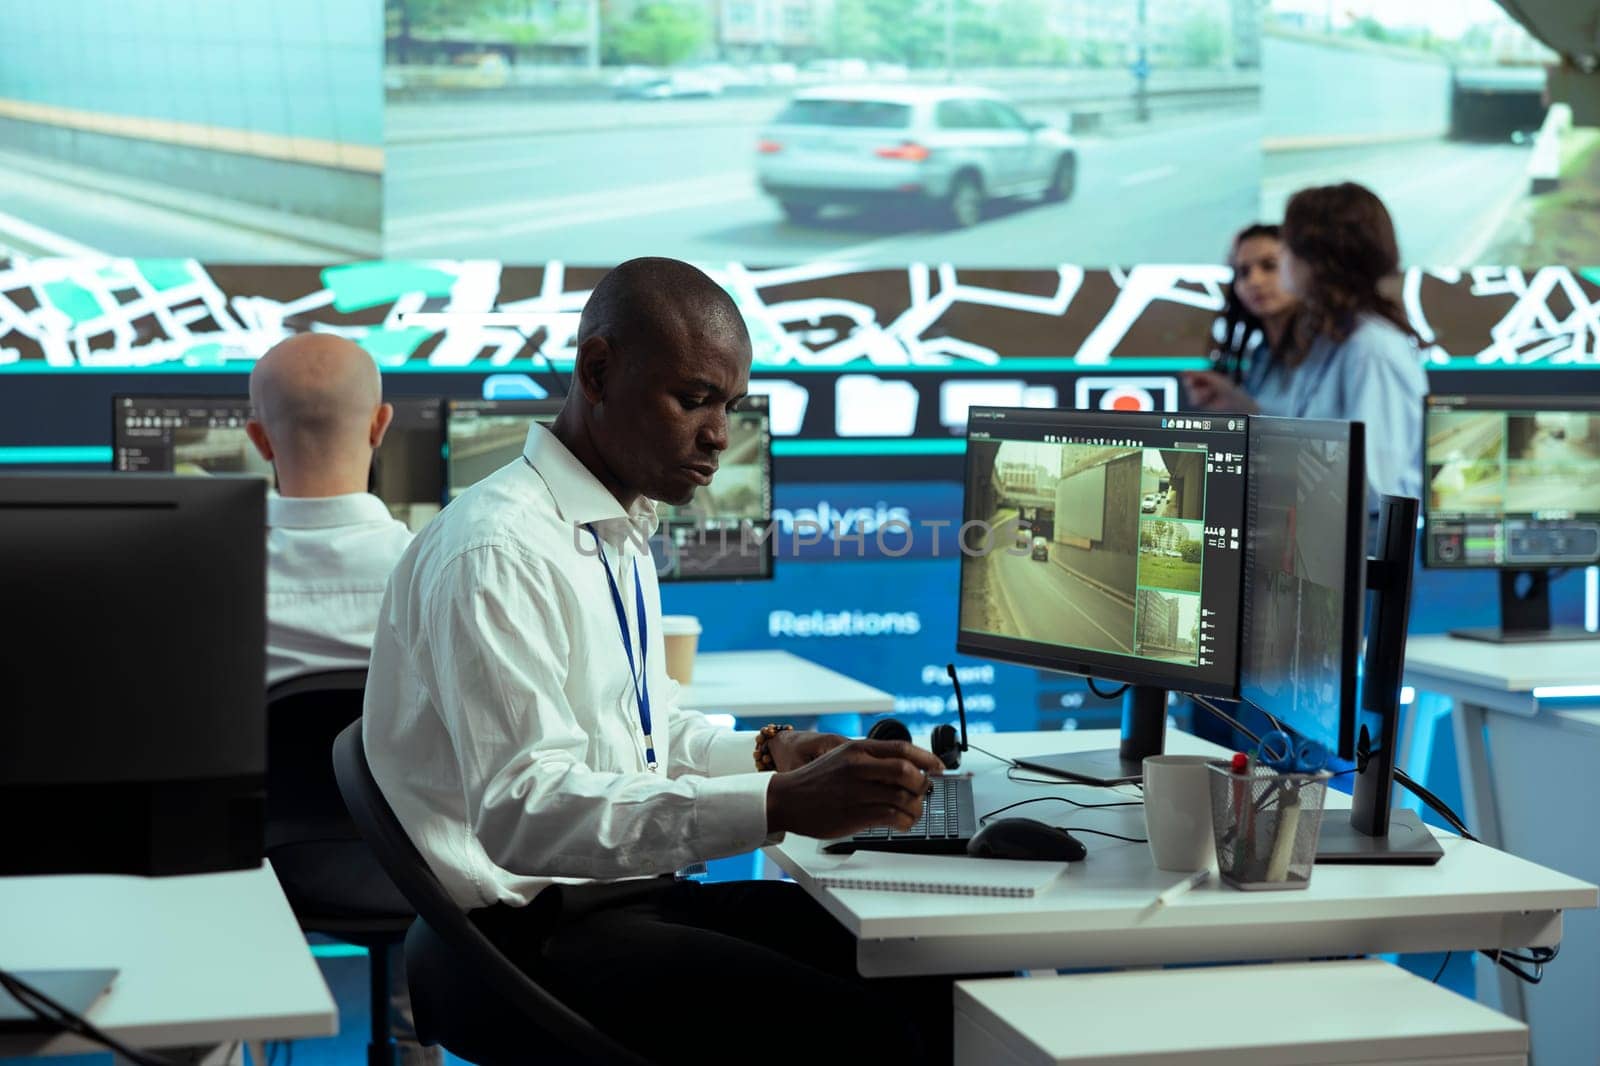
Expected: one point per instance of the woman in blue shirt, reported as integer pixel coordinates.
(1351, 354)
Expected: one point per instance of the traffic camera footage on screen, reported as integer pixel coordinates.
(1128, 543)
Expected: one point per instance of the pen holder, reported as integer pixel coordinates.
(1266, 826)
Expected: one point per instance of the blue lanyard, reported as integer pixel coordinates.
(641, 680)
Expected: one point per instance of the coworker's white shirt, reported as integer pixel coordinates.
(501, 722)
(328, 561)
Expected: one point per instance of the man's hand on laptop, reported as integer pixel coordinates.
(857, 785)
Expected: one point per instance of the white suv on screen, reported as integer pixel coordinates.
(943, 146)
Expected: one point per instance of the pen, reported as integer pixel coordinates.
(1194, 880)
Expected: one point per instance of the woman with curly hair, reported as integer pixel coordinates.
(1351, 353)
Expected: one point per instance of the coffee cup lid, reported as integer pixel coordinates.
(680, 625)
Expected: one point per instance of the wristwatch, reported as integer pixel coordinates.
(763, 757)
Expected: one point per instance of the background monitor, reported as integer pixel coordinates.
(184, 435)
(408, 467)
(134, 734)
(1305, 576)
(194, 435)
(481, 436)
(1513, 484)
(704, 539)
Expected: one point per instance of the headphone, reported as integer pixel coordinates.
(944, 742)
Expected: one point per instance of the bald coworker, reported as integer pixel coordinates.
(319, 416)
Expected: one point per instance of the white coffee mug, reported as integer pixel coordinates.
(1177, 811)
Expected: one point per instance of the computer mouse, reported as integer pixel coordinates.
(1025, 838)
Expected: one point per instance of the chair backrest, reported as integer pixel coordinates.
(304, 715)
(411, 873)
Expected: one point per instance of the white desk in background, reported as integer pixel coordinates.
(1529, 759)
(1098, 913)
(208, 959)
(776, 686)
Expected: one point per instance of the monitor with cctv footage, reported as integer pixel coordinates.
(1305, 575)
(482, 436)
(1513, 484)
(1105, 544)
(1110, 545)
(205, 435)
(705, 539)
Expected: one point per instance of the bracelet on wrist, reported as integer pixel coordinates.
(763, 757)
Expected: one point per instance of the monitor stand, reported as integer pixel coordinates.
(1144, 730)
(1374, 832)
(1407, 842)
(1524, 613)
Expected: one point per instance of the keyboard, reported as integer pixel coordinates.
(947, 823)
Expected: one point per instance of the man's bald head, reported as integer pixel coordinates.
(653, 304)
(663, 356)
(318, 404)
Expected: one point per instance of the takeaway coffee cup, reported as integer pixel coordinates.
(1177, 812)
(681, 634)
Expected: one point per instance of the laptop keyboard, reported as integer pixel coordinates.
(947, 823)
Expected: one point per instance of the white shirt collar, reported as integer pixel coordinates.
(324, 512)
(579, 497)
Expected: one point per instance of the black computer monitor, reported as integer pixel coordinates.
(1305, 576)
(206, 435)
(408, 467)
(1110, 545)
(706, 539)
(1513, 484)
(1306, 585)
(481, 436)
(133, 730)
(184, 435)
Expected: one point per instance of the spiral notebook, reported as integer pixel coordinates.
(956, 875)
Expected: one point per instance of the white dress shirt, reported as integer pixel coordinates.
(501, 721)
(328, 561)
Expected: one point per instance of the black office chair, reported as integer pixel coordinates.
(466, 995)
(334, 884)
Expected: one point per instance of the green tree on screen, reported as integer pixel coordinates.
(658, 35)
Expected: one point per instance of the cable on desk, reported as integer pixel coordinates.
(1435, 802)
(1062, 799)
(50, 1012)
(1103, 833)
(1009, 762)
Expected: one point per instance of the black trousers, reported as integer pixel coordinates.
(745, 971)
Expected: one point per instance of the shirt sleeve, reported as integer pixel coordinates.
(1382, 383)
(699, 747)
(499, 655)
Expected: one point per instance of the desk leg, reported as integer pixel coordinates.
(1496, 988)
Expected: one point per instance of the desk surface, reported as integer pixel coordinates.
(776, 684)
(1098, 913)
(206, 959)
(1519, 668)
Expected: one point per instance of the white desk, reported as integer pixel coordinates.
(1528, 781)
(1096, 915)
(208, 959)
(776, 685)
